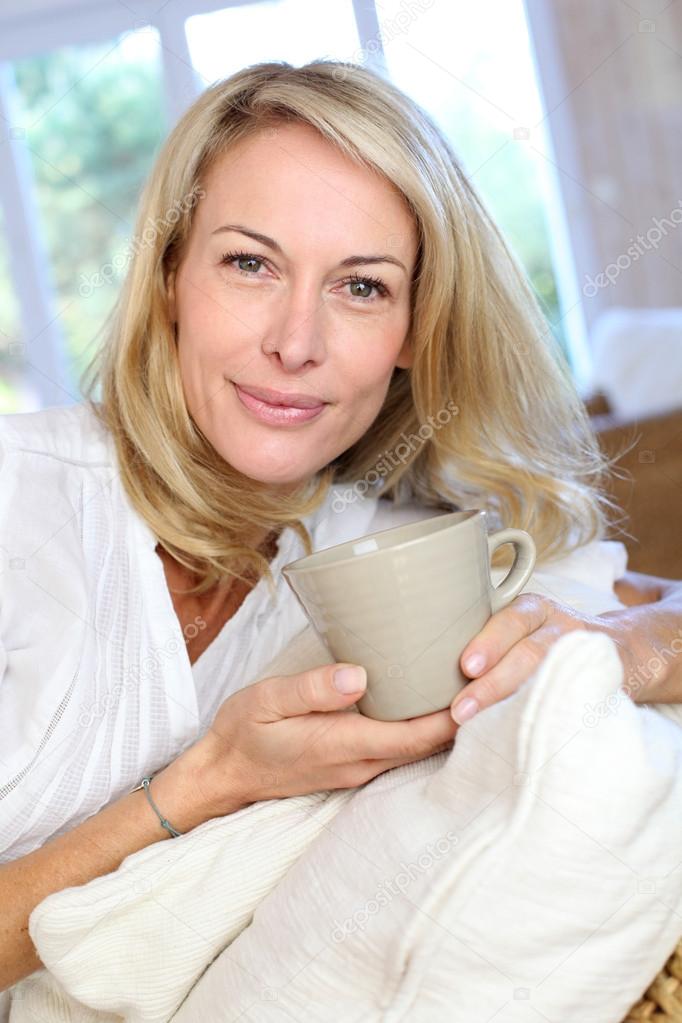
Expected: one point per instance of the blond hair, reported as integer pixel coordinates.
(508, 431)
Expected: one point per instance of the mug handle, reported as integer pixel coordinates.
(519, 574)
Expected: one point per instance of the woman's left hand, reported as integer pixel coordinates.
(513, 642)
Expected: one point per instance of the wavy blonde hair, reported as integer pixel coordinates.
(488, 398)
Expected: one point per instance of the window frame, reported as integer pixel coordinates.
(45, 25)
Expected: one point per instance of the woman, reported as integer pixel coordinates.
(306, 232)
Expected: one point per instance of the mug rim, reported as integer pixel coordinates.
(304, 564)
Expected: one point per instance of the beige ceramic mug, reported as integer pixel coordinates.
(404, 602)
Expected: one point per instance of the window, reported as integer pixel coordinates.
(88, 99)
(297, 31)
(470, 66)
(14, 396)
(93, 119)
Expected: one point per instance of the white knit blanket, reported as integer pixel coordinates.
(541, 828)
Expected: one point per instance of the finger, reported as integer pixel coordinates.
(363, 771)
(366, 738)
(284, 696)
(439, 747)
(387, 765)
(506, 676)
(526, 613)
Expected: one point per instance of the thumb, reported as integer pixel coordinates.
(330, 687)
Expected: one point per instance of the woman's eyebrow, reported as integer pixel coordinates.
(272, 244)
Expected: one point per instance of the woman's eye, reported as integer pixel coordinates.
(246, 262)
(362, 288)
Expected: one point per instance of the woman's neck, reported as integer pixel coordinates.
(202, 616)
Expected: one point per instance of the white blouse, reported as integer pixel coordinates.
(96, 687)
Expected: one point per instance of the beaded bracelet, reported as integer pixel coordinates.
(144, 784)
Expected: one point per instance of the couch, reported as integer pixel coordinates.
(646, 483)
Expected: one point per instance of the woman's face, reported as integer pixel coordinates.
(286, 315)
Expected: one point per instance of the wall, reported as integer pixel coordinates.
(611, 72)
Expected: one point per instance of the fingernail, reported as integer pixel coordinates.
(474, 663)
(464, 710)
(350, 680)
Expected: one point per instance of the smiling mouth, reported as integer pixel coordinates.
(276, 415)
(271, 397)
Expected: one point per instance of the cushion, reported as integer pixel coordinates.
(532, 872)
(500, 877)
(637, 359)
(503, 873)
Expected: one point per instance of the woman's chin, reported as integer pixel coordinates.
(274, 476)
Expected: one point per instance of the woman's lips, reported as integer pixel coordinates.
(276, 415)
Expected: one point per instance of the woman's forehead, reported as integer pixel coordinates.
(296, 184)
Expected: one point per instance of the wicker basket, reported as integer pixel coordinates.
(662, 1000)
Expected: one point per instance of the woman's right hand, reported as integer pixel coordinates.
(294, 734)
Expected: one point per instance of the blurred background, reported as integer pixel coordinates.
(567, 117)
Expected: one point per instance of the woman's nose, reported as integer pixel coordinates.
(297, 328)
